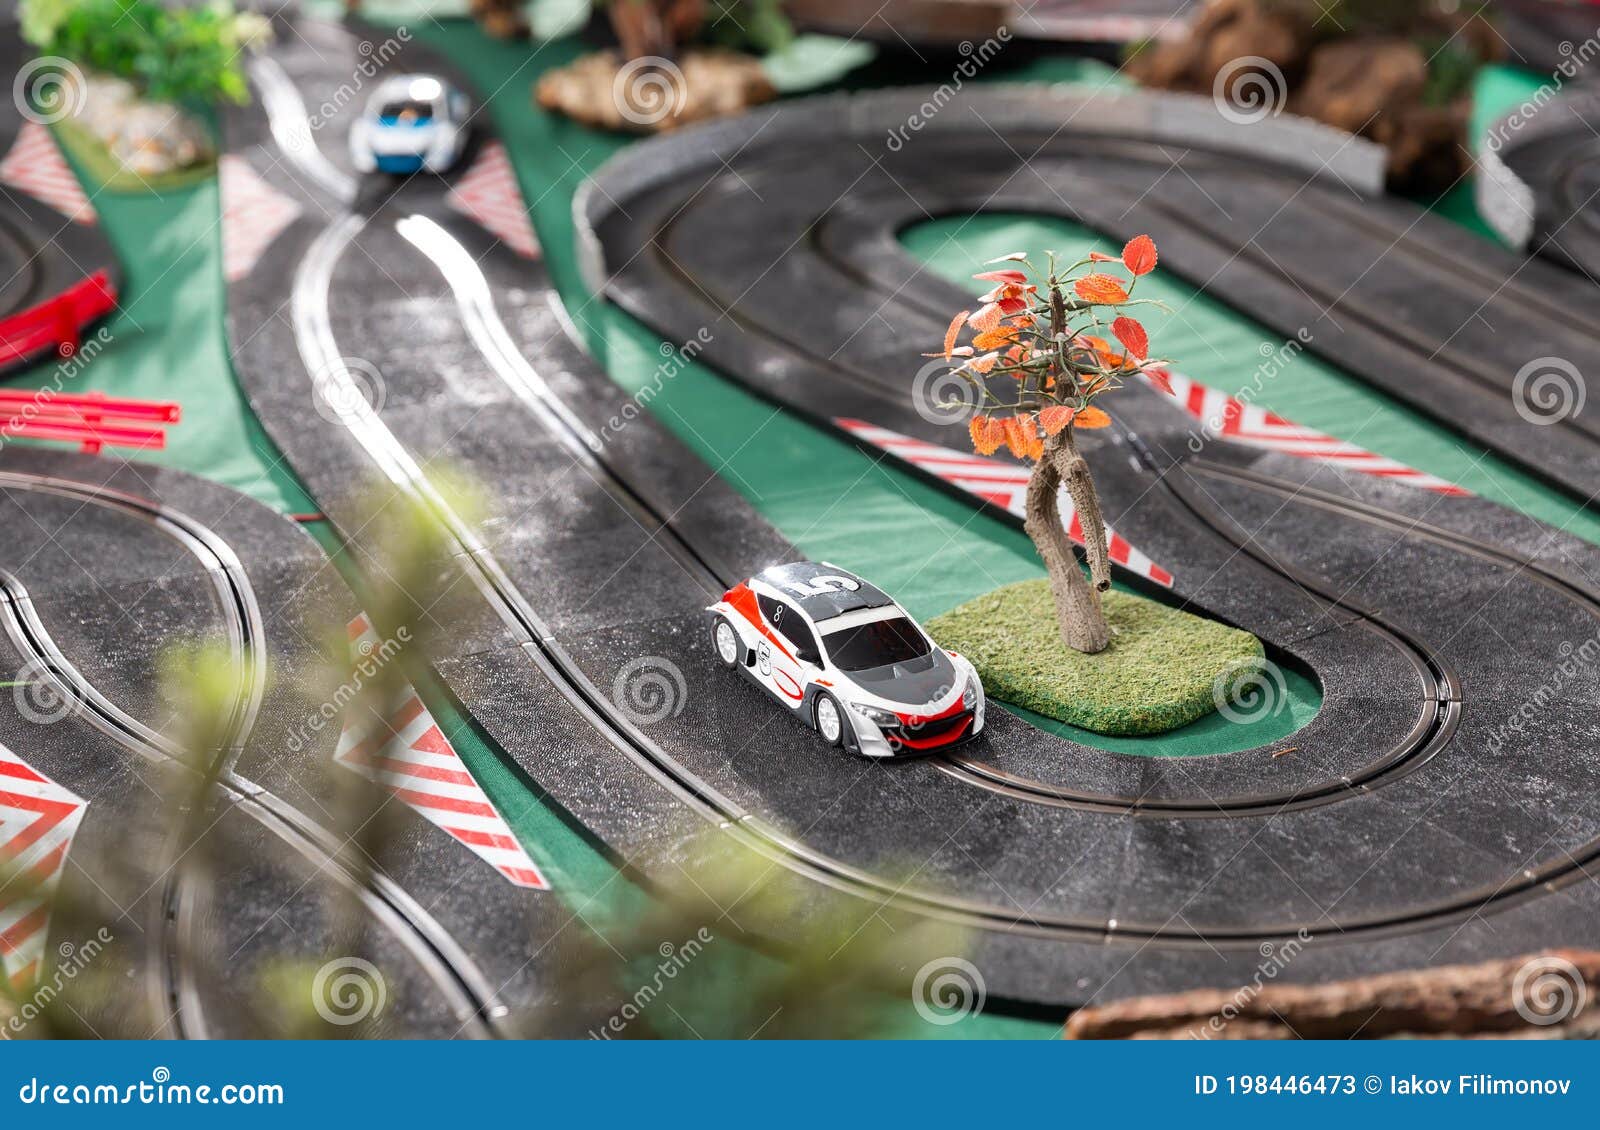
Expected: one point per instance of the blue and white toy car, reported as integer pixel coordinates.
(847, 660)
(412, 123)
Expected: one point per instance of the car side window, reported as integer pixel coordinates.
(791, 625)
(805, 644)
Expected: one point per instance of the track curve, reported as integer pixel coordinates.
(723, 227)
(1397, 297)
(1539, 179)
(387, 903)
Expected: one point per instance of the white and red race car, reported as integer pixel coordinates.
(847, 660)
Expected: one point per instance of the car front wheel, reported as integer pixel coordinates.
(726, 642)
(829, 719)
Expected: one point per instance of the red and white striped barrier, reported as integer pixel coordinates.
(1004, 484)
(36, 166)
(253, 215)
(38, 819)
(487, 193)
(1226, 417)
(420, 766)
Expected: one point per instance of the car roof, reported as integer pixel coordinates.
(823, 591)
(420, 87)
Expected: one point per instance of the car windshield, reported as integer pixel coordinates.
(407, 111)
(878, 644)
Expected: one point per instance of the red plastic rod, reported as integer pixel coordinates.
(151, 439)
(90, 404)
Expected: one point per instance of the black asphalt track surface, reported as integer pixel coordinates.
(1394, 836)
(108, 566)
(1314, 564)
(1280, 218)
(1540, 186)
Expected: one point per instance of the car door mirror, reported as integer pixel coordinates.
(809, 655)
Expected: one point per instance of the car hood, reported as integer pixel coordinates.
(915, 685)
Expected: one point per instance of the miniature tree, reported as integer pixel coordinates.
(1037, 361)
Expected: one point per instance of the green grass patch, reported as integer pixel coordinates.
(102, 168)
(1158, 674)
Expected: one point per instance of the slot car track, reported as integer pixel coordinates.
(1281, 217)
(1146, 898)
(469, 996)
(284, 868)
(1541, 180)
(827, 231)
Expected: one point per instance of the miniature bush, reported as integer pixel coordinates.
(170, 54)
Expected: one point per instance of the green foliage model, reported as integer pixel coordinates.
(170, 54)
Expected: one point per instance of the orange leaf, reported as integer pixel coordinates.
(1054, 418)
(992, 339)
(1131, 334)
(983, 364)
(1162, 379)
(1091, 417)
(986, 434)
(986, 317)
(1102, 290)
(1101, 257)
(1018, 431)
(953, 332)
(1139, 256)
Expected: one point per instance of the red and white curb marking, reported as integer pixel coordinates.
(1004, 484)
(253, 215)
(1226, 417)
(419, 765)
(38, 819)
(487, 193)
(36, 166)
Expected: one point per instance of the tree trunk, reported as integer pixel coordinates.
(1078, 611)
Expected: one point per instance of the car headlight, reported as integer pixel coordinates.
(969, 696)
(874, 715)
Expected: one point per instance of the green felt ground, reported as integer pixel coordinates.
(931, 550)
(1161, 670)
(98, 166)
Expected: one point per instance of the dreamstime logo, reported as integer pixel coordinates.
(1549, 990)
(648, 89)
(974, 57)
(947, 990)
(348, 990)
(674, 359)
(1573, 668)
(374, 57)
(674, 960)
(1249, 690)
(40, 697)
(1249, 89)
(1548, 390)
(650, 690)
(1275, 958)
(74, 959)
(369, 657)
(48, 89)
(1575, 57)
(941, 395)
(347, 389)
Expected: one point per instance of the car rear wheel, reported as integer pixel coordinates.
(726, 642)
(829, 718)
